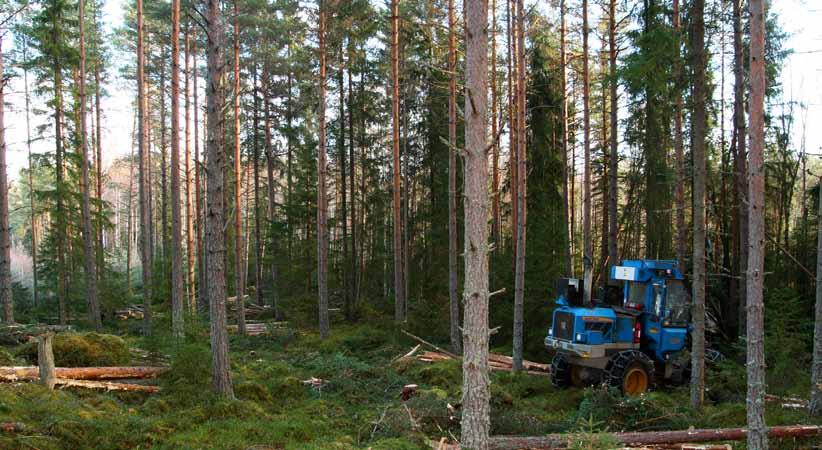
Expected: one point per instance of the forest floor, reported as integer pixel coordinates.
(356, 405)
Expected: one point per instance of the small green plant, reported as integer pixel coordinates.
(591, 435)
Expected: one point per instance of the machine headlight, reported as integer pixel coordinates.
(550, 332)
(580, 337)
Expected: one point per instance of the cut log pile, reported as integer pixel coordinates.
(29, 373)
(258, 327)
(495, 361)
(130, 312)
(89, 377)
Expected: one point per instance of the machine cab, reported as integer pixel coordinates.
(656, 290)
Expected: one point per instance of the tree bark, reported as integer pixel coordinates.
(345, 279)
(5, 231)
(522, 186)
(177, 296)
(239, 274)
(475, 387)
(399, 276)
(757, 437)
(145, 162)
(699, 180)
(90, 256)
(322, 201)
(453, 271)
(215, 219)
(45, 360)
(352, 264)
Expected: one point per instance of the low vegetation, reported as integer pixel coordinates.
(356, 404)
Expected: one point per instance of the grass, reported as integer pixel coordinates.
(358, 406)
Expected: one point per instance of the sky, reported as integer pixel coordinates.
(801, 80)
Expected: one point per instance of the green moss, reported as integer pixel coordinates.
(82, 350)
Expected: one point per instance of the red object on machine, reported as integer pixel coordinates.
(637, 332)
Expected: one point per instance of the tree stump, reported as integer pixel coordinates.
(45, 359)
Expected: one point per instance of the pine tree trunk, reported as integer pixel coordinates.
(145, 199)
(199, 197)
(757, 435)
(89, 238)
(564, 124)
(453, 270)
(130, 215)
(177, 295)
(190, 251)
(215, 219)
(613, 158)
(587, 240)
(45, 360)
(239, 273)
(699, 180)
(679, 151)
(815, 406)
(522, 186)
(495, 188)
(322, 201)
(741, 170)
(258, 243)
(345, 279)
(352, 264)
(5, 231)
(60, 213)
(33, 212)
(475, 387)
(399, 283)
(269, 152)
(513, 118)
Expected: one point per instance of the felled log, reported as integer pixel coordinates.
(12, 427)
(24, 373)
(107, 385)
(495, 362)
(559, 441)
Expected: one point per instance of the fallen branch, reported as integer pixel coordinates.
(25, 373)
(559, 441)
(423, 341)
(106, 385)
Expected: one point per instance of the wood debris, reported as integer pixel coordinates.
(316, 383)
(106, 385)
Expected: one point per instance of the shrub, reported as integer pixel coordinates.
(83, 350)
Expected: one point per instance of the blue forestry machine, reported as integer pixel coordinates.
(631, 337)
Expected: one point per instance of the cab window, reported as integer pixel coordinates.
(677, 304)
(636, 294)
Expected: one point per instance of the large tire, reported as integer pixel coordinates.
(630, 371)
(560, 371)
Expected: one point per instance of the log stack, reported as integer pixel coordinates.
(495, 361)
(130, 312)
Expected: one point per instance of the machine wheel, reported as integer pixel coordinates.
(631, 371)
(560, 371)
